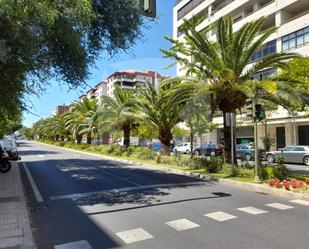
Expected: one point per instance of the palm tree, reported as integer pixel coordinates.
(223, 66)
(158, 108)
(118, 112)
(81, 119)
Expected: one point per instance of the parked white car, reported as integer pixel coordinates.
(184, 147)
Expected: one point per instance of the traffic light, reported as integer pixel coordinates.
(249, 108)
(259, 112)
(148, 8)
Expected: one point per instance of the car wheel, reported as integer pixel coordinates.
(212, 153)
(187, 152)
(306, 160)
(248, 157)
(270, 158)
(5, 167)
(197, 153)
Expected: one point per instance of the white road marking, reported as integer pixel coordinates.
(82, 244)
(42, 156)
(220, 216)
(134, 235)
(301, 202)
(182, 224)
(35, 189)
(279, 206)
(87, 194)
(252, 210)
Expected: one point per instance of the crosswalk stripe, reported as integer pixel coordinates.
(220, 216)
(252, 210)
(134, 235)
(301, 202)
(279, 206)
(82, 244)
(182, 224)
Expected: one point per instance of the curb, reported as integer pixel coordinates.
(27, 238)
(140, 164)
(265, 189)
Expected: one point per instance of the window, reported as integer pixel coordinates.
(269, 48)
(295, 39)
(188, 7)
(299, 149)
(264, 74)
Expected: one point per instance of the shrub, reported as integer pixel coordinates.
(214, 166)
(267, 172)
(177, 158)
(163, 159)
(307, 181)
(243, 172)
(297, 184)
(274, 183)
(227, 169)
(146, 154)
(286, 184)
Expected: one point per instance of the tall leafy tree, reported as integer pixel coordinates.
(158, 107)
(83, 119)
(223, 65)
(118, 112)
(40, 40)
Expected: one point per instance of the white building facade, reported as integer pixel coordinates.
(129, 79)
(291, 18)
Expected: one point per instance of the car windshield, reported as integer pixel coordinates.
(6, 143)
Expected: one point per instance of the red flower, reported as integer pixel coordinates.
(297, 184)
(286, 184)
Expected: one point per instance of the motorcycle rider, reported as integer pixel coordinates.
(5, 164)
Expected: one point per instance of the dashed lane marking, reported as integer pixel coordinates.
(279, 206)
(220, 216)
(134, 235)
(82, 244)
(252, 210)
(300, 202)
(182, 224)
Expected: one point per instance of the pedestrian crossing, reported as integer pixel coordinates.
(136, 235)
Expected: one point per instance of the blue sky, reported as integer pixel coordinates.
(144, 55)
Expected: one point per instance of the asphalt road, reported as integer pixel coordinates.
(79, 201)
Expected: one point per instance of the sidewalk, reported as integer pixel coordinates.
(15, 231)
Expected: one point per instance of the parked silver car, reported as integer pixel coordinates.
(291, 154)
(9, 146)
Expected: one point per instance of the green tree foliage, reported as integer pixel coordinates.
(158, 107)
(83, 119)
(223, 66)
(118, 112)
(298, 71)
(9, 125)
(43, 39)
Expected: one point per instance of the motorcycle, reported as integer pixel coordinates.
(5, 164)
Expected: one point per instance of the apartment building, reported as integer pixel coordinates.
(128, 79)
(61, 109)
(291, 18)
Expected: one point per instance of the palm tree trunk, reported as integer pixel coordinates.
(126, 135)
(89, 138)
(165, 137)
(78, 139)
(228, 141)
